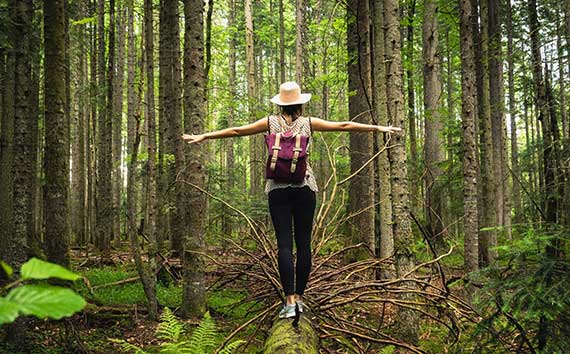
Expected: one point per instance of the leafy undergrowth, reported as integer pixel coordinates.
(118, 311)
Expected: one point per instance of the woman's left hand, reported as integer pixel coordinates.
(390, 129)
(193, 139)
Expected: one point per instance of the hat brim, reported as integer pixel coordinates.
(303, 98)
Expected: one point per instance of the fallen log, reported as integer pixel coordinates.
(292, 335)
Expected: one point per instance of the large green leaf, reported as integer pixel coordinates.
(7, 269)
(46, 301)
(38, 269)
(8, 311)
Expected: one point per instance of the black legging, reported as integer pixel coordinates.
(293, 206)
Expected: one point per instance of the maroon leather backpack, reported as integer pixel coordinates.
(287, 160)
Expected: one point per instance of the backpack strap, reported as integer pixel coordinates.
(310, 125)
(296, 150)
(275, 149)
(268, 125)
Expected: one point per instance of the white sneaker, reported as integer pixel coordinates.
(301, 305)
(287, 311)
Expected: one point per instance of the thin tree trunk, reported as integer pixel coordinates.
(281, 36)
(433, 147)
(469, 119)
(414, 161)
(226, 223)
(254, 171)
(487, 207)
(361, 189)
(403, 238)
(513, 114)
(300, 41)
(56, 164)
(382, 227)
(117, 122)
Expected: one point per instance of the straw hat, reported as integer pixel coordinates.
(290, 94)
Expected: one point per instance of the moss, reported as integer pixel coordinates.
(284, 338)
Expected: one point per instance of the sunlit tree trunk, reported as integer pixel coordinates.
(117, 122)
(513, 114)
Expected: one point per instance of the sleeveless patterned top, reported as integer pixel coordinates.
(301, 125)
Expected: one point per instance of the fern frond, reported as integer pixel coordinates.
(229, 348)
(128, 347)
(169, 329)
(205, 337)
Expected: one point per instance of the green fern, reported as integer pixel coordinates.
(128, 347)
(170, 331)
(229, 349)
(205, 338)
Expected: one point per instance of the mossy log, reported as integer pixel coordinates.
(285, 338)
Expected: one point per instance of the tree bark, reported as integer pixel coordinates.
(56, 164)
(7, 146)
(170, 79)
(361, 189)
(382, 227)
(254, 163)
(194, 289)
(117, 122)
(469, 119)
(488, 210)
(281, 36)
(517, 204)
(496, 92)
(300, 41)
(402, 229)
(433, 146)
(414, 160)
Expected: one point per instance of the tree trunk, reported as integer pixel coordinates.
(56, 164)
(433, 148)
(7, 148)
(194, 289)
(300, 55)
(282, 339)
(171, 109)
(517, 204)
(496, 92)
(104, 196)
(382, 227)
(254, 164)
(117, 122)
(487, 211)
(414, 161)
(361, 189)
(402, 229)
(281, 37)
(469, 119)
(16, 245)
(226, 221)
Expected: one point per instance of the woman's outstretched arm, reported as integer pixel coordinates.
(248, 129)
(319, 124)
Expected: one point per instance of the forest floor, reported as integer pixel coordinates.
(116, 309)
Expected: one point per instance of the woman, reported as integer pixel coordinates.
(291, 204)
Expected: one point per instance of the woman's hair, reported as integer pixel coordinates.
(295, 111)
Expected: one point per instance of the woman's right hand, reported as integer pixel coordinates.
(193, 138)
